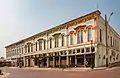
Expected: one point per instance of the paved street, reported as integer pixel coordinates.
(30, 73)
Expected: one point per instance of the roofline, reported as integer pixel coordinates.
(20, 41)
(64, 24)
(112, 28)
(97, 11)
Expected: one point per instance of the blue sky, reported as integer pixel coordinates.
(23, 18)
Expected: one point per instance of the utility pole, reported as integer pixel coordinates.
(106, 40)
(106, 28)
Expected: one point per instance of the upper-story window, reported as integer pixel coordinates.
(40, 44)
(100, 35)
(111, 41)
(80, 36)
(28, 48)
(36, 46)
(31, 47)
(56, 41)
(44, 44)
(50, 42)
(22, 50)
(89, 34)
(15, 51)
(62, 40)
(71, 39)
(25, 49)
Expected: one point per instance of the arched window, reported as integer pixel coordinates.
(62, 40)
(44, 44)
(71, 39)
(31, 47)
(50, 42)
(80, 36)
(56, 42)
(36, 46)
(40, 44)
(89, 34)
(28, 48)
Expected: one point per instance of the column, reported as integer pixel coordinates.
(32, 62)
(48, 62)
(96, 59)
(75, 57)
(53, 61)
(68, 63)
(59, 61)
(38, 63)
(75, 60)
(24, 61)
(27, 62)
(84, 60)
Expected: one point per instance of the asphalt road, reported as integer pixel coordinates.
(28, 73)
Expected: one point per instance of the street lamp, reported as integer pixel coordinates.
(106, 24)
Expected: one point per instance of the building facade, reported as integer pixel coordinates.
(77, 43)
(15, 53)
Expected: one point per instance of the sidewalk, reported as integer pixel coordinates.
(61, 69)
(84, 69)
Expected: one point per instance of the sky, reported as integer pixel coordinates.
(22, 18)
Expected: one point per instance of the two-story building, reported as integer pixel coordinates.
(79, 42)
(15, 53)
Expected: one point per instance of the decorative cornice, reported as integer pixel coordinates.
(56, 34)
(68, 24)
(16, 43)
(81, 27)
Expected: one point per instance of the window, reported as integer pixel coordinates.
(117, 57)
(100, 35)
(50, 42)
(22, 50)
(61, 52)
(15, 51)
(87, 49)
(78, 50)
(82, 50)
(62, 40)
(36, 46)
(19, 50)
(80, 36)
(25, 50)
(89, 34)
(115, 44)
(111, 40)
(108, 41)
(92, 49)
(56, 42)
(110, 58)
(31, 47)
(70, 51)
(28, 48)
(71, 39)
(44, 44)
(40, 45)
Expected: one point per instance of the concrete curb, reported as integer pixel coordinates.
(62, 69)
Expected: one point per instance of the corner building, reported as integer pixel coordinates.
(76, 43)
